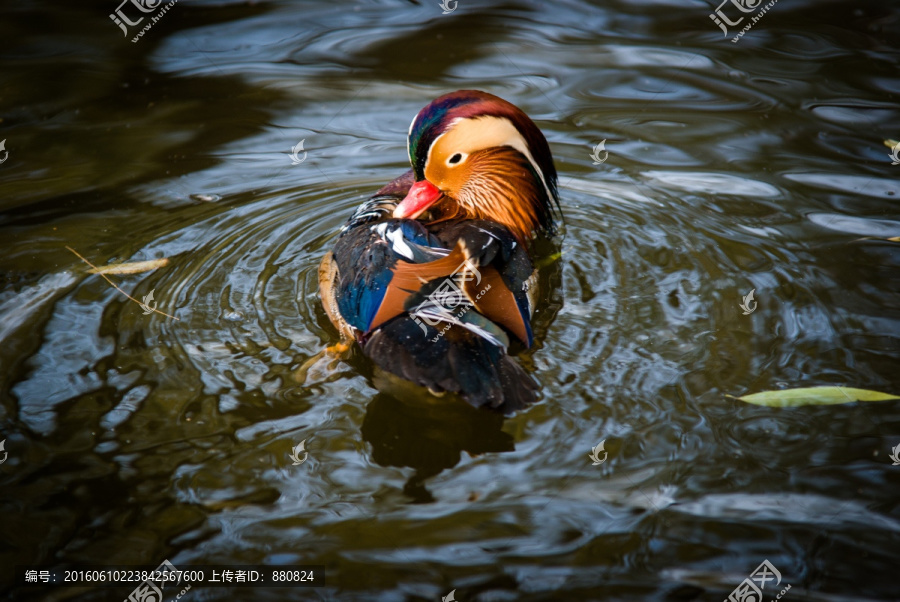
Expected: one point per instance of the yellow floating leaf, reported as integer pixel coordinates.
(548, 260)
(131, 268)
(814, 396)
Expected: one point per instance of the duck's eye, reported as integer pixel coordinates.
(455, 159)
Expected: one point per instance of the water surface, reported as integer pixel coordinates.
(731, 166)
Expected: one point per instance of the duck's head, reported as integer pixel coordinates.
(477, 156)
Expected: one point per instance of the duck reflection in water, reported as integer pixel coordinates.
(429, 437)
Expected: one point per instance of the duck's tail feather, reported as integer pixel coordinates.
(455, 360)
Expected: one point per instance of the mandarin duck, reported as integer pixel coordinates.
(433, 275)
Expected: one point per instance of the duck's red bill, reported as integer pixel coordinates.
(421, 196)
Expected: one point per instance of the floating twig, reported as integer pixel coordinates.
(102, 275)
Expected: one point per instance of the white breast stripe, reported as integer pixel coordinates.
(408, 134)
(399, 245)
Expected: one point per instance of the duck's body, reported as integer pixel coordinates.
(432, 276)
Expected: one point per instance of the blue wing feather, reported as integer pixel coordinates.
(370, 245)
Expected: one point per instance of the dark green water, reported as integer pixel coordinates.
(759, 164)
